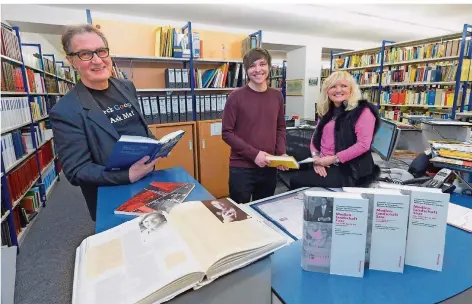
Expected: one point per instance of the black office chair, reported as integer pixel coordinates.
(298, 146)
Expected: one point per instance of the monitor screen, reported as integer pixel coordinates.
(384, 139)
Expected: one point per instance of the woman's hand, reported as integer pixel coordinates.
(320, 170)
(325, 161)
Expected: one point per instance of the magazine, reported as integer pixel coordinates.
(156, 196)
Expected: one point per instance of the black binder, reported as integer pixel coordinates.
(182, 108)
(155, 109)
(214, 110)
(162, 109)
(147, 109)
(189, 107)
(169, 108)
(207, 113)
(175, 108)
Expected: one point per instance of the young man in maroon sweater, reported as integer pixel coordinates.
(254, 127)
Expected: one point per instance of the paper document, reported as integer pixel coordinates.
(460, 217)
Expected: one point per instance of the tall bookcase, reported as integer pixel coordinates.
(29, 165)
(414, 75)
(194, 108)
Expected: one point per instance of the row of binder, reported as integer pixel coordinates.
(179, 108)
(177, 78)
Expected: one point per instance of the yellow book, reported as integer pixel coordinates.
(157, 45)
(465, 72)
(287, 161)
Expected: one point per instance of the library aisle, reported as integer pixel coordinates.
(45, 265)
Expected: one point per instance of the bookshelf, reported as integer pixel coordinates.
(278, 77)
(193, 105)
(29, 166)
(214, 67)
(426, 73)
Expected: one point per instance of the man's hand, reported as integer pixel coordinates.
(283, 168)
(261, 159)
(139, 169)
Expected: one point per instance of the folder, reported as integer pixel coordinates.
(162, 109)
(198, 107)
(207, 112)
(182, 108)
(140, 101)
(178, 78)
(175, 108)
(214, 110)
(169, 108)
(225, 99)
(147, 110)
(185, 78)
(189, 107)
(155, 110)
(219, 108)
(170, 78)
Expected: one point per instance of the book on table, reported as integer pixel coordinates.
(129, 149)
(155, 257)
(157, 196)
(334, 233)
(427, 223)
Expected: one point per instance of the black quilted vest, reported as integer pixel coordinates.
(361, 169)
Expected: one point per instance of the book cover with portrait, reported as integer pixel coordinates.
(334, 233)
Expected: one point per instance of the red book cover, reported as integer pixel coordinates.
(156, 196)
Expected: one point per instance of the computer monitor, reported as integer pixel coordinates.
(386, 139)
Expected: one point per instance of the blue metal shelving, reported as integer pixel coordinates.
(459, 85)
(4, 173)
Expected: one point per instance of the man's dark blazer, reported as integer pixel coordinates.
(84, 138)
(319, 212)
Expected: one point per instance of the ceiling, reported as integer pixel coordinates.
(356, 22)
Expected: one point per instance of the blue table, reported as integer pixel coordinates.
(250, 284)
(416, 285)
(110, 198)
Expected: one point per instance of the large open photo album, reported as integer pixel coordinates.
(155, 257)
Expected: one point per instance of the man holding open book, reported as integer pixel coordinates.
(254, 128)
(89, 120)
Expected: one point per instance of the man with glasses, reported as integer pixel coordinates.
(89, 120)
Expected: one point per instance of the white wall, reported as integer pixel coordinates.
(312, 70)
(49, 44)
(295, 105)
(42, 14)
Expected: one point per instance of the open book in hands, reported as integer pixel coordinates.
(129, 149)
(155, 257)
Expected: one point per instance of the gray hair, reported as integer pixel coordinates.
(71, 31)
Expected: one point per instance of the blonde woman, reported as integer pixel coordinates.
(341, 143)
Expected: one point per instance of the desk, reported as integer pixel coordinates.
(293, 285)
(110, 198)
(250, 284)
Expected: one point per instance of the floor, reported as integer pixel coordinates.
(45, 265)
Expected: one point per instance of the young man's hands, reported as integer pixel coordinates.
(261, 159)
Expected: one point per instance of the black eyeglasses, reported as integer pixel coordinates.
(88, 55)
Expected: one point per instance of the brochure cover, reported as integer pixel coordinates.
(157, 196)
(426, 225)
(386, 229)
(334, 233)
